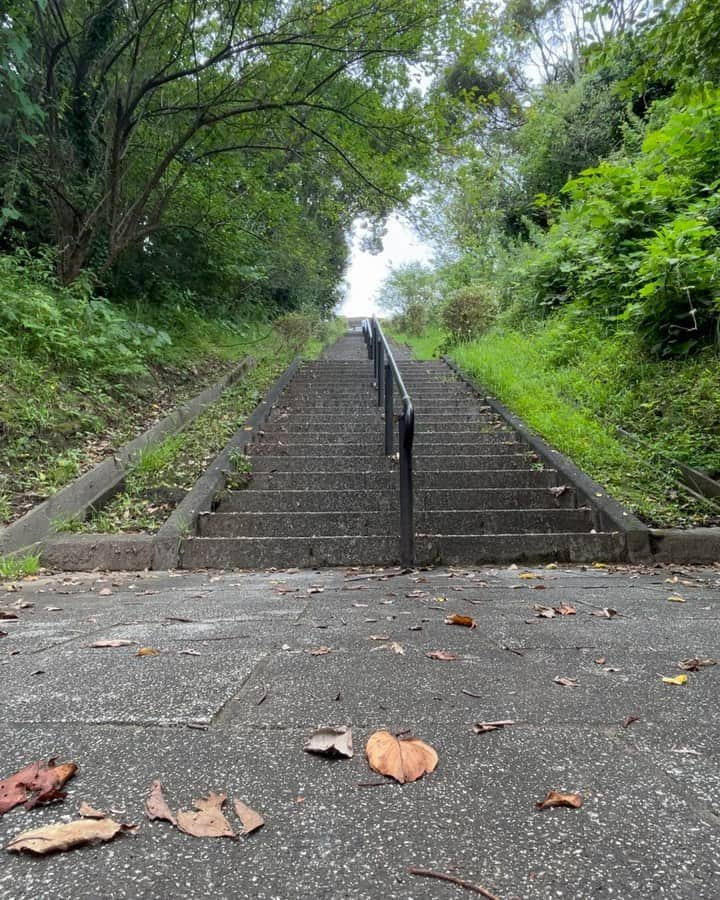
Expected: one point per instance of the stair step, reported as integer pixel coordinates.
(388, 479)
(370, 438)
(263, 553)
(387, 497)
(368, 522)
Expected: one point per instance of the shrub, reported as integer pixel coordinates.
(295, 330)
(468, 312)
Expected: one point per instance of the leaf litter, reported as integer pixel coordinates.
(39, 782)
(334, 741)
(558, 798)
(403, 758)
(68, 835)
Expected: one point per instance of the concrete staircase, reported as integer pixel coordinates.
(322, 492)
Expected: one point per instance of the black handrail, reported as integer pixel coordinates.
(386, 375)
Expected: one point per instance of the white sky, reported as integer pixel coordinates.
(367, 271)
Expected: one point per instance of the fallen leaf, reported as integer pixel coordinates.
(208, 821)
(89, 812)
(599, 565)
(457, 619)
(53, 609)
(606, 612)
(189, 652)
(37, 783)
(105, 592)
(565, 609)
(118, 642)
(544, 612)
(484, 727)
(415, 594)
(379, 637)
(156, 806)
(678, 679)
(442, 655)
(528, 576)
(565, 682)
(397, 648)
(330, 740)
(316, 590)
(696, 663)
(320, 651)
(23, 604)
(6, 614)
(403, 758)
(65, 836)
(676, 598)
(556, 798)
(440, 599)
(250, 819)
(630, 720)
(600, 661)
(147, 651)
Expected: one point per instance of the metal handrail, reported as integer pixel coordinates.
(386, 375)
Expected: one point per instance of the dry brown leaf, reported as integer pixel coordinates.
(330, 740)
(89, 812)
(556, 798)
(606, 612)
(544, 612)
(457, 619)
(396, 648)
(565, 609)
(208, 821)
(250, 819)
(65, 836)
(320, 651)
(147, 651)
(484, 727)
(189, 652)
(403, 758)
(156, 806)
(565, 682)
(442, 655)
(37, 783)
(696, 663)
(6, 614)
(629, 721)
(117, 642)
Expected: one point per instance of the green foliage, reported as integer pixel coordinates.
(19, 566)
(468, 312)
(295, 330)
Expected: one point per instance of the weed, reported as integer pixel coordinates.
(5, 508)
(19, 566)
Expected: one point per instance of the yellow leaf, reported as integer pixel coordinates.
(528, 575)
(676, 598)
(598, 565)
(678, 679)
(147, 651)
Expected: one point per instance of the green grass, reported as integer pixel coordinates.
(574, 386)
(19, 566)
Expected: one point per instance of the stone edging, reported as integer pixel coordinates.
(663, 545)
(608, 514)
(105, 479)
(122, 552)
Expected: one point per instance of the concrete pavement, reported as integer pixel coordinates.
(236, 716)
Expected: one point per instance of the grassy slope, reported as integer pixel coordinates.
(575, 387)
(78, 377)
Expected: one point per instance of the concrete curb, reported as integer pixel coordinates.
(608, 514)
(694, 546)
(104, 480)
(127, 552)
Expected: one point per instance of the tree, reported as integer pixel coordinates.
(139, 97)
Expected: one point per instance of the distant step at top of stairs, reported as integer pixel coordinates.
(322, 491)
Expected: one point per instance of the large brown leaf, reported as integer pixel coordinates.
(156, 806)
(37, 783)
(66, 835)
(208, 821)
(557, 798)
(403, 758)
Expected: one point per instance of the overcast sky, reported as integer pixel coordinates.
(366, 271)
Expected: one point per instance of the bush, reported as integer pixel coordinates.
(468, 312)
(295, 330)
(413, 319)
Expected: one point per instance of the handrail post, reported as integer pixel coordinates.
(388, 410)
(407, 530)
(380, 364)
